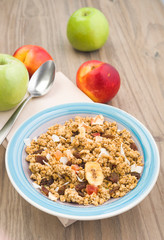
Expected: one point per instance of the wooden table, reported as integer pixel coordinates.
(136, 48)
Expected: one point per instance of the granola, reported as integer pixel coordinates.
(86, 161)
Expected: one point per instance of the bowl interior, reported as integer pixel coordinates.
(61, 120)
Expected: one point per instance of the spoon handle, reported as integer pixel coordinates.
(8, 125)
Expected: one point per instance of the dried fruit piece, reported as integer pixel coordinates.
(38, 151)
(136, 174)
(81, 194)
(113, 166)
(69, 163)
(50, 181)
(76, 154)
(58, 154)
(75, 167)
(46, 181)
(44, 191)
(95, 134)
(69, 154)
(114, 177)
(40, 159)
(62, 190)
(133, 146)
(80, 186)
(82, 165)
(91, 189)
(75, 133)
(108, 136)
(94, 173)
(111, 191)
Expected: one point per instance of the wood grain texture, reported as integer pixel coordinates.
(136, 48)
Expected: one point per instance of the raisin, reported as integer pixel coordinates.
(114, 177)
(61, 190)
(133, 146)
(44, 190)
(136, 174)
(75, 133)
(107, 136)
(82, 165)
(69, 163)
(113, 166)
(80, 186)
(46, 181)
(95, 134)
(113, 190)
(50, 181)
(81, 194)
(40, 159)
(77, 155)
(38, 151)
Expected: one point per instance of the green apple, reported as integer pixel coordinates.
(13, 81)
(87, 29)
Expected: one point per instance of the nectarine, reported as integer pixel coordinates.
(32, 56)
(99, 80)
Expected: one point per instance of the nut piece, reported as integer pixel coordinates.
(94, 173)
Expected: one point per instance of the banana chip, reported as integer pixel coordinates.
(93, 173)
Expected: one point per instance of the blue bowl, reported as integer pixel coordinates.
(19, 174)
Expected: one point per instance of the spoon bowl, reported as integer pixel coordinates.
(42, 80)
(40, 83)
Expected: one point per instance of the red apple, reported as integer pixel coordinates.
(32, 56)
(99, 80)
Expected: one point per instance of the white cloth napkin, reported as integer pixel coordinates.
(63, 91)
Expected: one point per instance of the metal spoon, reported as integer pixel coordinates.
(39, 84)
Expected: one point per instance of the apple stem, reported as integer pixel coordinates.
(93, 67)
(86, 14)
